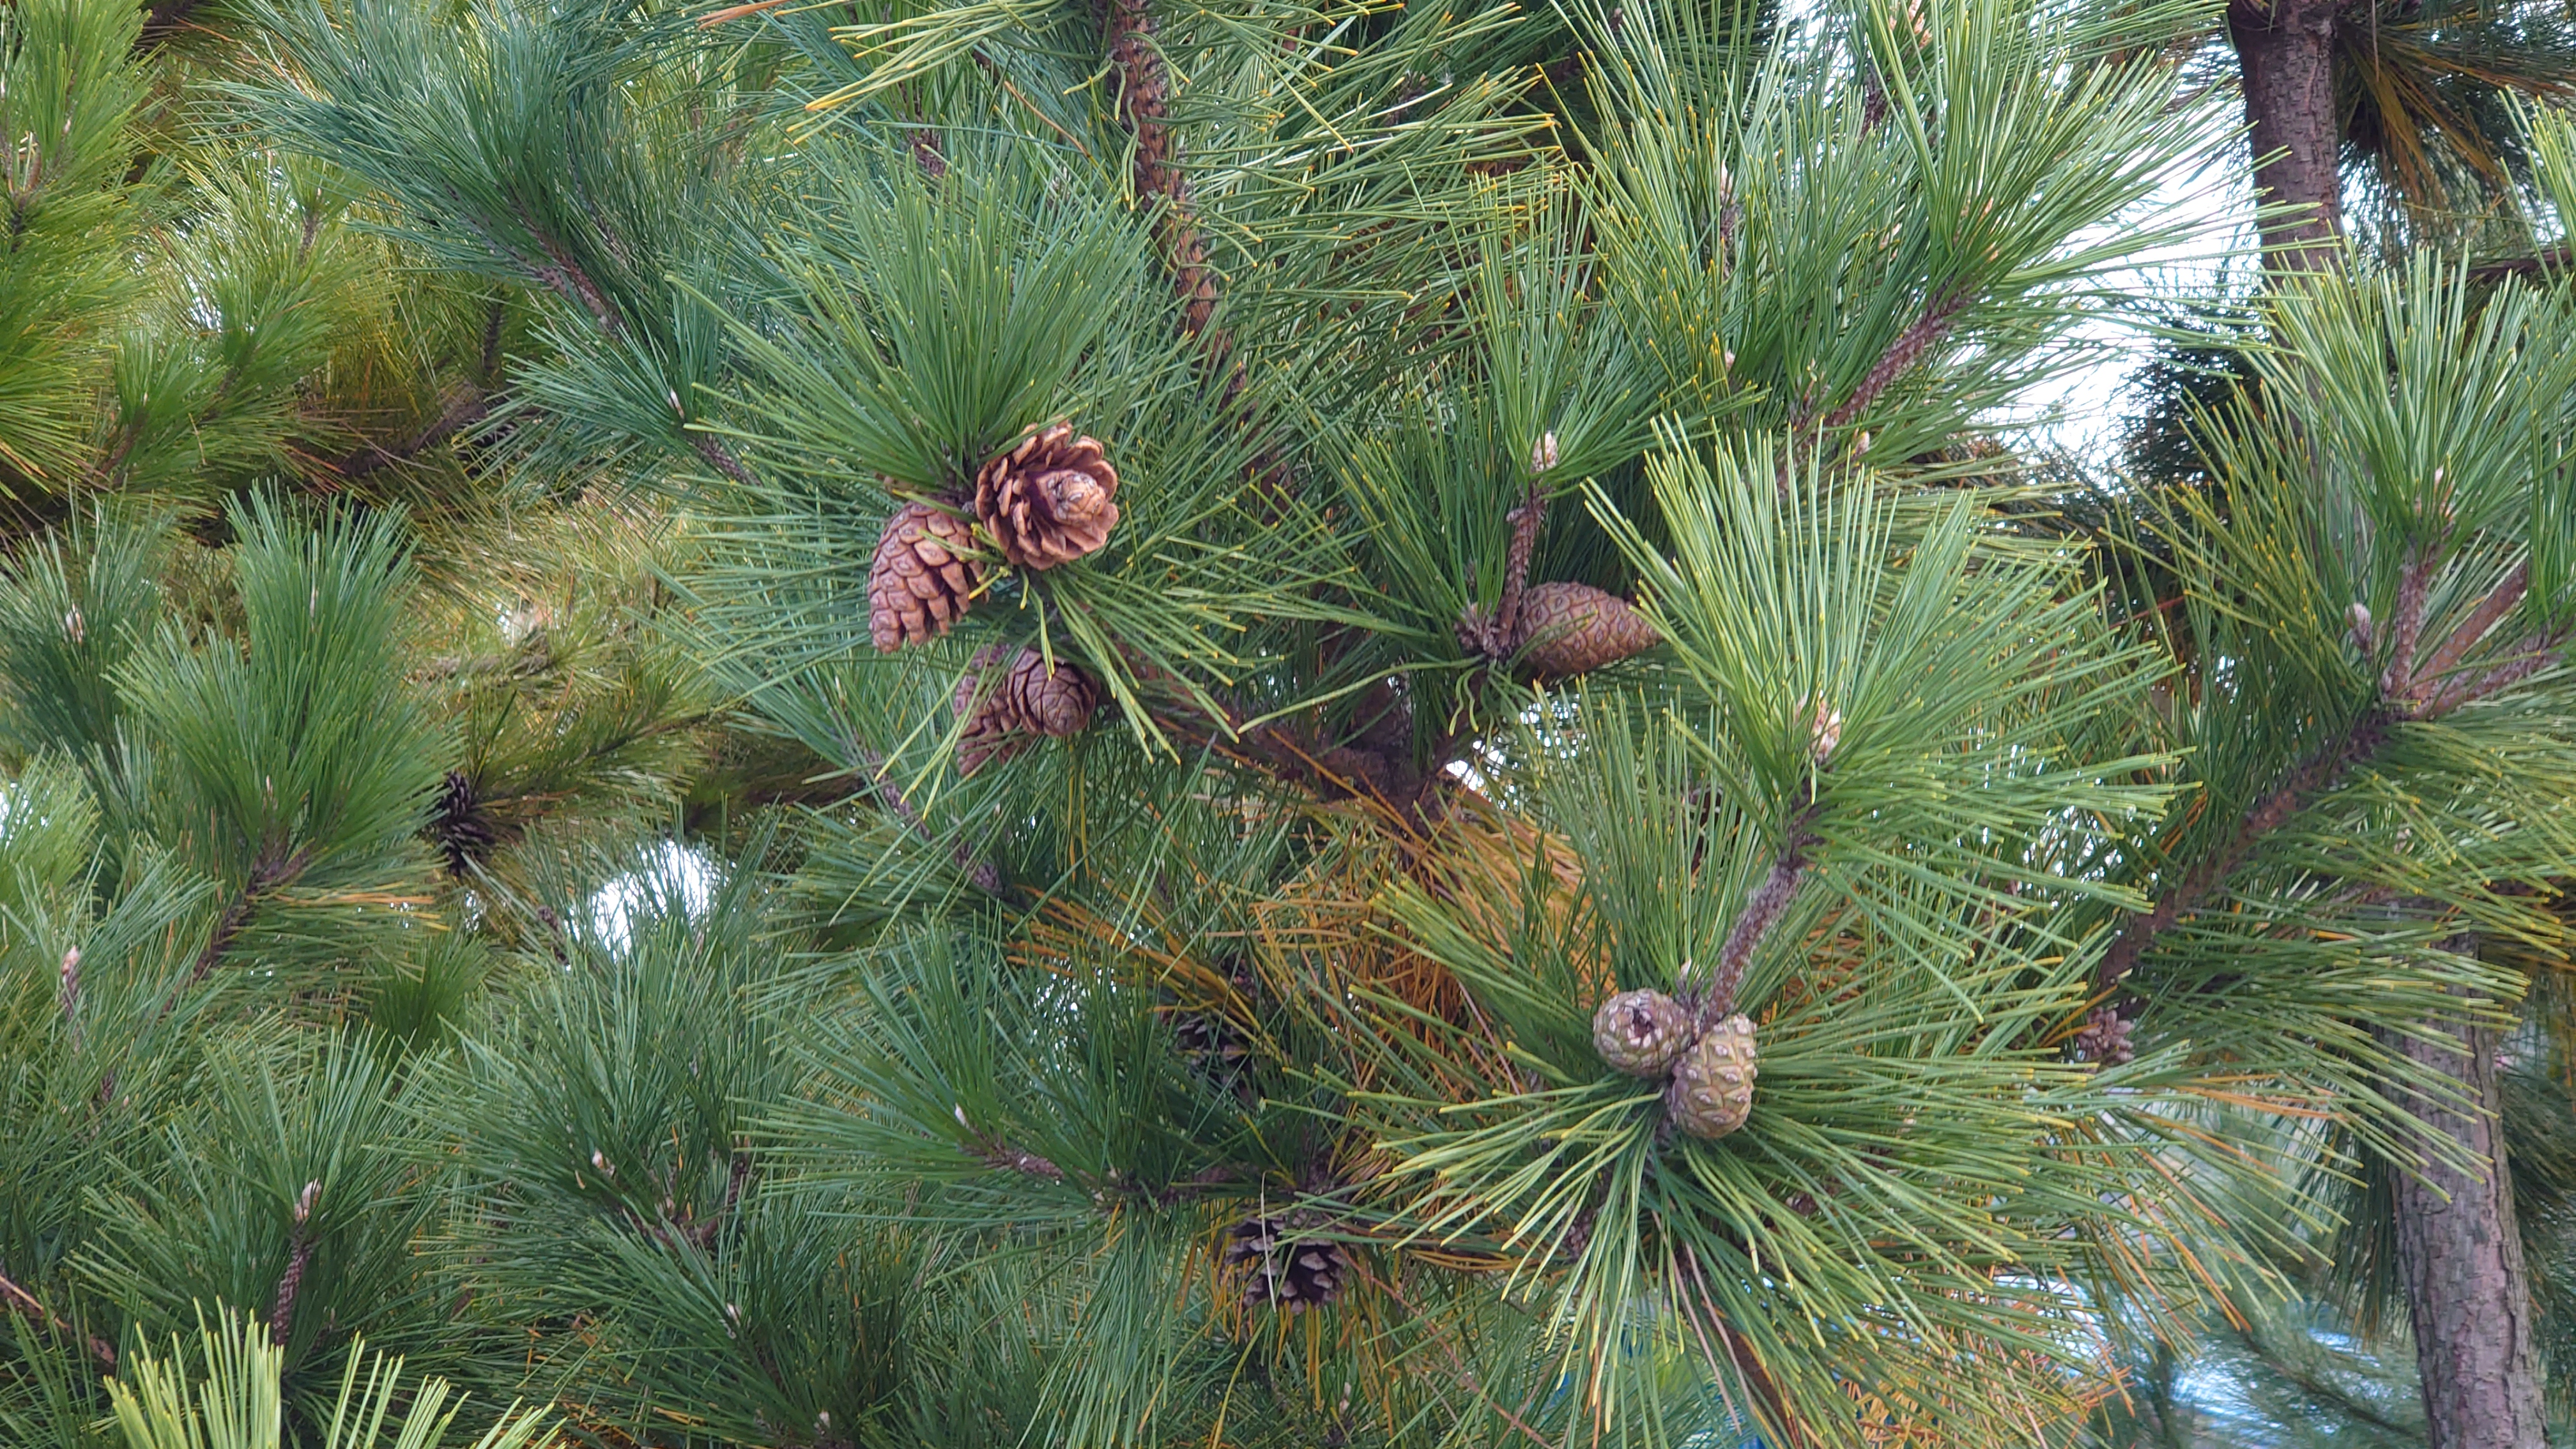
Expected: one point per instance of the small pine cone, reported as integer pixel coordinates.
(1049, 499)
(1568, 629)
(1056, 702)
(458, 825)
(1712, 1090)
(923, 577)
(1283, 1269)
(2103, 1039)
(1641, 1032)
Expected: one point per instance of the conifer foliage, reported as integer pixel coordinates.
(1272, 725)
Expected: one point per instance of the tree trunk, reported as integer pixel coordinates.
(2461, 1260)
(2285, 63)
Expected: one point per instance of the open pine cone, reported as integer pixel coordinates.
(1281, 1268)
(1008, 707)
(1712, 1090)
(1575, 628)
(2103, 1039)
(922, 578)
(1049, 500)
(458, 824)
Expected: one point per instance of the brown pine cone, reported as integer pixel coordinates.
(1049, 499)
(1007, 708)
(2103, 1039)
(1282, 1269)
(922, 578)
(1056, 702)
(1575, 628)
(1640, 1032)
(983, 699)
(1712, 1090)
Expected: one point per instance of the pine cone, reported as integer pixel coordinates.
(922, 578)
(2104, 1039)
(1575, 628)
(1048, 500)
(1008, 709)
(457, 824)
(1057, 702)
(1712, 1090)
(1640, 1032)
(1288, 1271)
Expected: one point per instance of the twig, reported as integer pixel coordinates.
(264, 876)
(2489, 612)
(2532, 654)
(1901, 355)
(24, 1303)
(466, 406)
(721, 458)
(872, 765)
(2557, 257)
(1144, 96)
(2397, 682)
(996, 1153)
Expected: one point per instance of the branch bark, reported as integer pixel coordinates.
(465, 407)
(2285, 63)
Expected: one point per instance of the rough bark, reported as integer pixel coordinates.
(2460, 1257)
(2285, 63)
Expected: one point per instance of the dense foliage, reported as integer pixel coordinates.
(839, 726)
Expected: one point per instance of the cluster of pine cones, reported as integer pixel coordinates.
(1648, 1034)
(1050, 499)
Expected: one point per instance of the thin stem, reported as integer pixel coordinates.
(2398, 681)
(25, 1303)
(1901, 355)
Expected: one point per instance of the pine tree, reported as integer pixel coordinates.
(1293, 726)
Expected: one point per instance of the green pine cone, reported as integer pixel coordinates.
(1712, 1090)
(1640, 1032)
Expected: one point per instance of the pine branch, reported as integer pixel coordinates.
(2321, 773)
(2557, 258)
(1901, 355)
(162, 21)
(994, 1152)
(1144, 98)
(2397, 682)
(721, 458)
(983, 873)
(2489, 613)
(265, 876)
(1763, 909)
